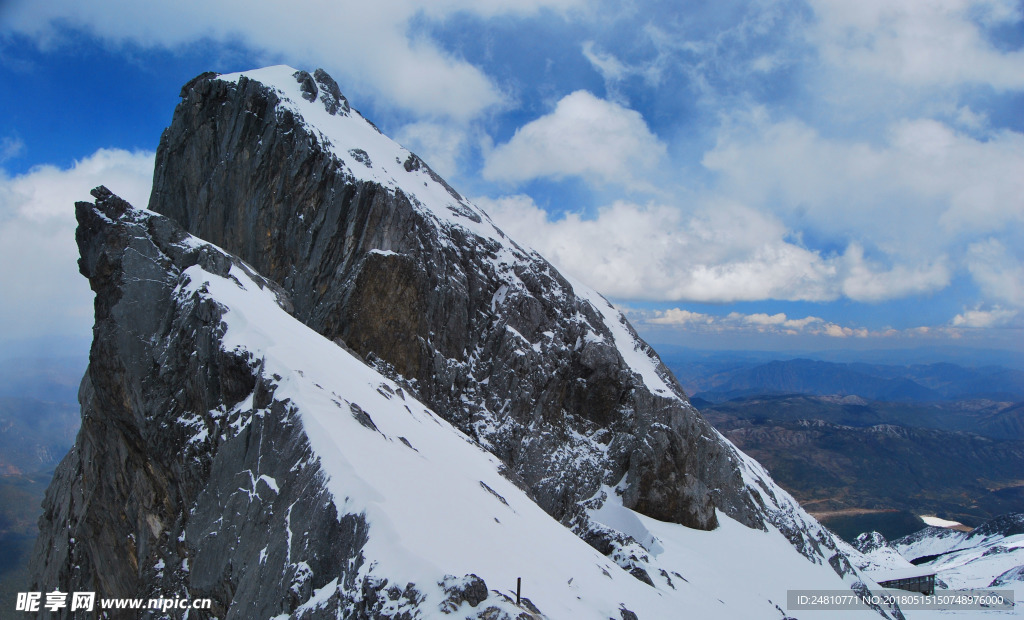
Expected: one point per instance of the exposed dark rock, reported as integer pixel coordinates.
(870, 541)
(207, 75)
(469, 589)
(624, 550)
(331, 95)
(517, 360)
(309, 89)
(363, 417)
(868, 596)
(642, 575)
(165, 493)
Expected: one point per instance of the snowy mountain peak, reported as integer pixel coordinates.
(870, 541)
(360, 148)
(254, 462)
(378, 252)
(199, 376)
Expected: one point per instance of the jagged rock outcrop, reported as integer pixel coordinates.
(193, 476)
(1010, 524)
(869, 542)
(230, 453)
(1009, 578)
(143, 505)
(209, 467)
(379, 252)
(489, 334)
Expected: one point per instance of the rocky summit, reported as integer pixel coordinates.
(376, 250)
(279, 339)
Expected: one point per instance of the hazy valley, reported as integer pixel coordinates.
(39, 417)
(871, 446)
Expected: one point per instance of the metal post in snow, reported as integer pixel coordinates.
(519, 588)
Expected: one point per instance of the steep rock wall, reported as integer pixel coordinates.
(488, 333)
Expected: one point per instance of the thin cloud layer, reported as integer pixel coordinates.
(763, 323)
(924, 44)
(366, 43)
(779, 324)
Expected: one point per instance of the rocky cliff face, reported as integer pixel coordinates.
(230, 453)
(153, 497)
(197, 467)
(377, 251)
(120, 498)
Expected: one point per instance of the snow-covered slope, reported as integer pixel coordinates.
(384, 405)
(932, 540)
(309, 485)
(991, 555)
(378, 251)
(437, 504)
(880, 556)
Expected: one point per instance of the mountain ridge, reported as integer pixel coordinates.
(727, 379)
(269, 469)
(427, 288)
(541, 372)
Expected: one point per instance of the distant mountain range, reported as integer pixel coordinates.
(39, 413)
(993, 419)
(722, 380)
(864, 444)
(832, 467)
(675, 354)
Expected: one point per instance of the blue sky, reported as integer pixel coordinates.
(765, 174)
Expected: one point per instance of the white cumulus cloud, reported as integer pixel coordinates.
(723, 252)
(926, 183)
(583, 136)
(922, 196)
(43, 291)
(997, 271)
(864, 281)
(979, 318)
